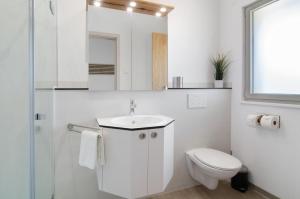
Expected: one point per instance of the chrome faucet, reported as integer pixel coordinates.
(132, 107)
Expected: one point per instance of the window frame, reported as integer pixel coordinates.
(249, 95)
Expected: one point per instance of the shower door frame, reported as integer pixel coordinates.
(31, 102)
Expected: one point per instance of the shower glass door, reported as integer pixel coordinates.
(15, 99)
(27, 77)
(45, 76)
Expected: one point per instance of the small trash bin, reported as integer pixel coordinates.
(240, 180)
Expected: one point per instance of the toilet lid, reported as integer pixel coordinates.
(217, 159)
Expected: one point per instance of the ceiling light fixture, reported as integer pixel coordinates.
(132, 3)
(129, 9)
(163, 9)
(158, 14)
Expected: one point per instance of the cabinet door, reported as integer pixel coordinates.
(125, 169)
(117, 159)
(161, 159)
(139, 163)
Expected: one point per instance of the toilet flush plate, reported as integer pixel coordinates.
(197, 100)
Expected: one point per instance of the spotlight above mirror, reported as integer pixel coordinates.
(97, 3)
(163, 9)
(132, 4)
(138, 6)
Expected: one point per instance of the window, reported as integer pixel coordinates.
(272, 33)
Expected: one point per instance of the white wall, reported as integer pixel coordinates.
(272, 156)
(207, 127)
(102, 50)
(193, 29)
(45, 44)
(71, 39)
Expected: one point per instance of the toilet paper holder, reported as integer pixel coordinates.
(265, 121)
(275, 123)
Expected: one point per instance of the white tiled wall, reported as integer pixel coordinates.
(207, 127)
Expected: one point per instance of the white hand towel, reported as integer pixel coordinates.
(91, 149)
(101, 161)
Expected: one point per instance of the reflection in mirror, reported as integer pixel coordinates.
(45, 44)
(103, 61)
(127, 51)
(104, 21)
(144, 29)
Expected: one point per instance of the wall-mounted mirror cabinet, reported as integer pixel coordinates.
(127, 50)
(125, 46)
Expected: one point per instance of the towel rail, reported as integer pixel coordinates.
(71, 127)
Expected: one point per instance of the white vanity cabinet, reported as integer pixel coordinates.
(138, 162)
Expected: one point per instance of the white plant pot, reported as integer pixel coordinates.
(219, 83)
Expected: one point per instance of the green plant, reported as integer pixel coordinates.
(221, 63)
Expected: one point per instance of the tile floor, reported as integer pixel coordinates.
(224, 191)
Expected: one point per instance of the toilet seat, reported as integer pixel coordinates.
(216, 159)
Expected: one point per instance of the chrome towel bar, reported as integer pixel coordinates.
(71, 127)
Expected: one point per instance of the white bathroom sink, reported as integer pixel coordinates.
(135, 122)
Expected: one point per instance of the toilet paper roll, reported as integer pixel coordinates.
(253, 120)
(270, 122)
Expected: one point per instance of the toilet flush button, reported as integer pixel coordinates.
(197, 100)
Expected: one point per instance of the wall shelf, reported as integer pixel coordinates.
(71, 89)
(227, 88)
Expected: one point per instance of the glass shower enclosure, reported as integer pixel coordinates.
(28, 64)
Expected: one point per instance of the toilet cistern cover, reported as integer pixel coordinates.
(217, 159)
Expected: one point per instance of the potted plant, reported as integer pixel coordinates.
(221, 64)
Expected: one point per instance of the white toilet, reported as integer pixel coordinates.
(208, 166)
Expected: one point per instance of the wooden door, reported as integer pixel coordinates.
(159, 61)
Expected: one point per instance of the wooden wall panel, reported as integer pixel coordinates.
(159, 61)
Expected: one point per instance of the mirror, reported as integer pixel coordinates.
(126, 50)
(103, 61)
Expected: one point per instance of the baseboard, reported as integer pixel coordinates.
(262, 192)
(253, 187)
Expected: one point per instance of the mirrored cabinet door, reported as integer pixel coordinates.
(116, 26)
(143, 29)
(103, 62)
